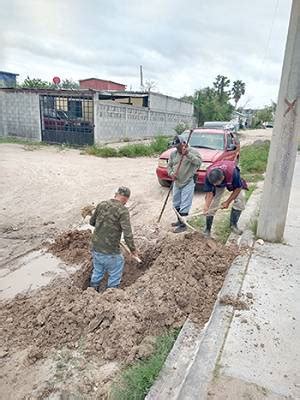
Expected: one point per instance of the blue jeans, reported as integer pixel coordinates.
(183, 197)
(113, 264)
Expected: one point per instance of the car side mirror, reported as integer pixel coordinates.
(231, 147)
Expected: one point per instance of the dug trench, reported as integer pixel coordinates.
(180, 277)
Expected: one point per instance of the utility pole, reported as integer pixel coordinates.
(284, 143)
(141, 77)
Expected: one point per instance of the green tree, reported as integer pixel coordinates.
(265, 114)
(209, 106)
(238, 90)
(221, 84)
(69, 84)
(35, 83)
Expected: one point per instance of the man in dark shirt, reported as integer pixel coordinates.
(110, 219)
(220, 176)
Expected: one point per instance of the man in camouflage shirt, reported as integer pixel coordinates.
(110, 219)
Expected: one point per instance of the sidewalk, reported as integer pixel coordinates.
(260, 357)
(249, 354)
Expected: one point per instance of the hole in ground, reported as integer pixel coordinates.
(74, 247)
(132, 270)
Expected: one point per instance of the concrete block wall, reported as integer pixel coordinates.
(20, 115)
(160, 102)
(117, 122)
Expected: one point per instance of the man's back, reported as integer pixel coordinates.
(110, 219)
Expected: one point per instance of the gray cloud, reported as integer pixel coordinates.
(182, 44)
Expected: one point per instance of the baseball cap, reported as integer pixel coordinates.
(178, 139)
(123, 191)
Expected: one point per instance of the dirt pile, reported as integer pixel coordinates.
(73, 247)
(183, 280)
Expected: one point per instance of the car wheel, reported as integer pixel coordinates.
(164, 183)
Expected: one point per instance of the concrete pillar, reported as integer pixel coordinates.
(126, 123)
(284, 142)
(96, 121)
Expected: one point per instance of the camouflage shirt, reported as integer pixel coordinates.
(110, 219)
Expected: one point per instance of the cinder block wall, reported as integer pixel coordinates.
(117, 122)
(160, 102)
(20, 115)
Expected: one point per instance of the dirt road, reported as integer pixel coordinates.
(43, 189)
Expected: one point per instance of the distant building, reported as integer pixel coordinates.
(8, 79)
(100, 84)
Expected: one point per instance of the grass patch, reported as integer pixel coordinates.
(198, 222)
(136, 380)
(157, 146)
(254, 158)
(17, 140)
(101, 151)
(222, 228)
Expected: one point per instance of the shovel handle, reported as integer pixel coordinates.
(123, 245)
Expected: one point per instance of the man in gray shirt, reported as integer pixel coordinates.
(183, 177)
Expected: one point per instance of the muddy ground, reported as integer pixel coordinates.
(63, 329)
(65, 341)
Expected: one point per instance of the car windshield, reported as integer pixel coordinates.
(206, 140)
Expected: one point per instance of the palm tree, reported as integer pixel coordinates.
(238, 90)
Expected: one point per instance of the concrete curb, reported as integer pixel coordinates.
(190, 366)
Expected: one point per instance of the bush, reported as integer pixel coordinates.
(181, 127)
(102, 151)
(136, 150)
(159, 144)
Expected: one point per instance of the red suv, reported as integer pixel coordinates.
(212, 144)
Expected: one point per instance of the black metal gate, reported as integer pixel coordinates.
(67, 118)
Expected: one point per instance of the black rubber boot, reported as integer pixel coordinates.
(209, 221)
(234, 218)
(177, 223)
(181, 227)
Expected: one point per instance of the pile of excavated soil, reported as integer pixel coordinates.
(72, 246)
(184, 278)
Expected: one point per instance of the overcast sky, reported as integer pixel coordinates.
(182, 44)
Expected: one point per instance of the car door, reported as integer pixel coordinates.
(230, 141)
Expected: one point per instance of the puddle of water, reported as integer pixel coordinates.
(31, 272)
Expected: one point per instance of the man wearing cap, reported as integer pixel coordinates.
(183, 177)
(110, 219)
(220, 176)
